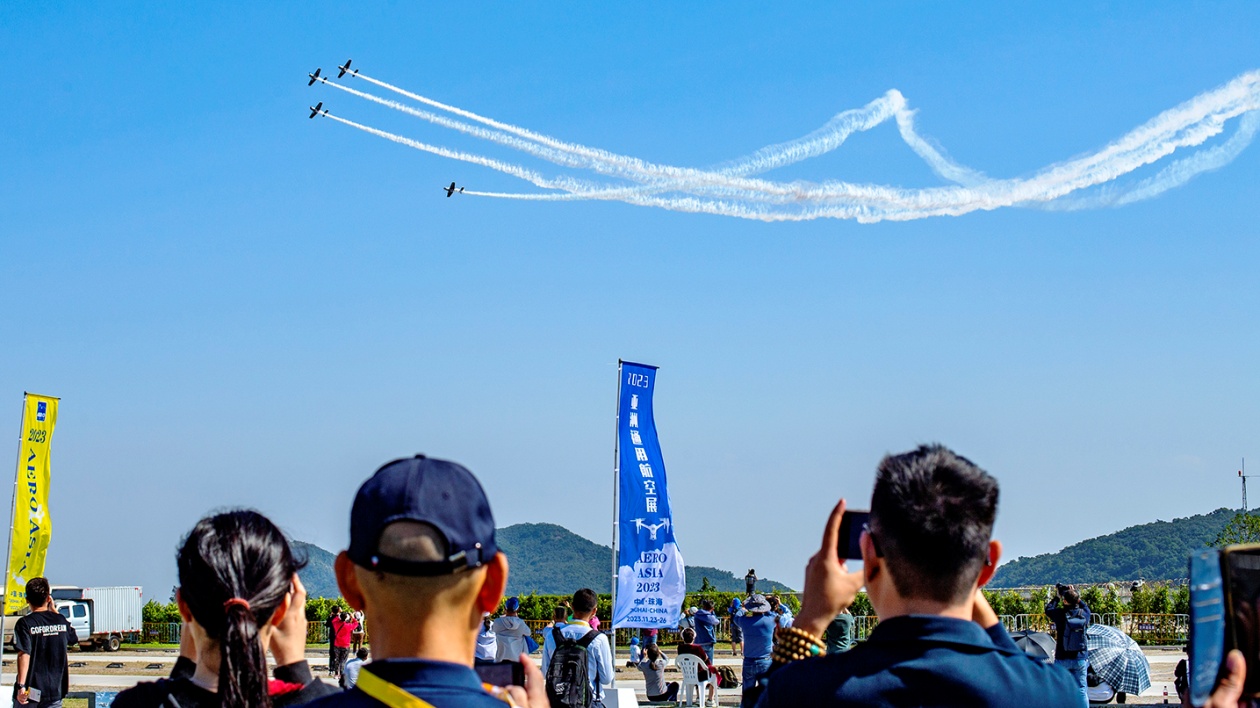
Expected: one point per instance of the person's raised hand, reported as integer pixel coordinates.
(1228, 693)
(534, 693)
(288, 640)
(982, 612)
(829, 586)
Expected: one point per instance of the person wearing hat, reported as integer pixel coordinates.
(423, 563)
(737, 635)
(688, 620)
(511, 631)
(757, 624)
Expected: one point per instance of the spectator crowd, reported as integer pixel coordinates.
(423, 564)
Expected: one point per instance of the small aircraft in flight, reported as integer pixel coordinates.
(451, 189)
(314, 77)
(316, 109)
(344, 68)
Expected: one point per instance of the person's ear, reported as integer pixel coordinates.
(872, 564)
(491, 592)
(277, 616)
(348, 581)
(990, 563)
(184, 613)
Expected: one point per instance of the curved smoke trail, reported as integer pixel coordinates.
(730, 190)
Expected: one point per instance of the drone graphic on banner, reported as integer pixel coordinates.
(651, 582)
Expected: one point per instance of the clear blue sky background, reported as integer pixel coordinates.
(240, 306)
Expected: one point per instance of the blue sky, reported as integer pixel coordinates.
(240, 306)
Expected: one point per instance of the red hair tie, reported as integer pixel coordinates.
(234, 602)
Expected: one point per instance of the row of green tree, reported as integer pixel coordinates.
(1156, 598)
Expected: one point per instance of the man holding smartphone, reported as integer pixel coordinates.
(1070, 615)
(926, 550)
(41, 638)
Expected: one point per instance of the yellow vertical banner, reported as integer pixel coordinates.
(32, 526)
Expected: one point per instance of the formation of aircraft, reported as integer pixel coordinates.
(318, 109)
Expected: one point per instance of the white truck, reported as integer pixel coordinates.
(100, 616)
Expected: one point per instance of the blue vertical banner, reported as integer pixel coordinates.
(651, 582)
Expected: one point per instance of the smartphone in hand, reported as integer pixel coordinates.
(502, 673)
(851, 526)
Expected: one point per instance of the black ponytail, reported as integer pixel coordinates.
(234, 571)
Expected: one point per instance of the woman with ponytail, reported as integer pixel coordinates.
(239, 595)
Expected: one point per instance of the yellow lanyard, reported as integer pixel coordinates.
(395, 697)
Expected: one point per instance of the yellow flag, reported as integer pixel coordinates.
(32, 527)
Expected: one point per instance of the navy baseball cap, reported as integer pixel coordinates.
(442, 494)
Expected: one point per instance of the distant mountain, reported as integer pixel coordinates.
(545, 559)
(317, 577)
(1154, 551)
(551, 560)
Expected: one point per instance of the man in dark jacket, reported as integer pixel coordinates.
(706, 628)
(926, 552)
(1070, 615)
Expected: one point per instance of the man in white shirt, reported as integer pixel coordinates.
(599, 662)
(350, 672)
(511, 632)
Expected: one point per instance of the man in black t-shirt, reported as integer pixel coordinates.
(41, 638)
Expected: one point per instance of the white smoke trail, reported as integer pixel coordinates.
(821, 141)
(727, 190)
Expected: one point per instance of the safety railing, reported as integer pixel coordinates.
(1156, 628)
(160, 632)
(862, 626)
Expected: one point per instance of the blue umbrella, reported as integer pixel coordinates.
(1117, 659)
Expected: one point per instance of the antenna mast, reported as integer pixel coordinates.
(1242, 475)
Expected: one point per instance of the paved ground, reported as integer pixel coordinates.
(95, 673)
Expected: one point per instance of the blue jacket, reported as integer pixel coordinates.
(706, 626)
(1058, 615)
(924, 660)
(758, 634)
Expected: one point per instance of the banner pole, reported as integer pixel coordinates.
(616, 515)
(8, 552)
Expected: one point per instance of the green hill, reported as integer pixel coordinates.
(545, 559)
(1154, 551)
(317, 576)
(551, 560)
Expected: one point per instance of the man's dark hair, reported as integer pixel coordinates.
(559, 613)
(706, 605)
(932, 517)
(584, 601)
(689, 636)
(362, 653)
(37, 591)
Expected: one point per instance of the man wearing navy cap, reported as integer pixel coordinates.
(423, 562)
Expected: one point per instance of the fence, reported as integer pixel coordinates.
(1144, 628)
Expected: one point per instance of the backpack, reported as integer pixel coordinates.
(568, 681)
(1074, 630)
